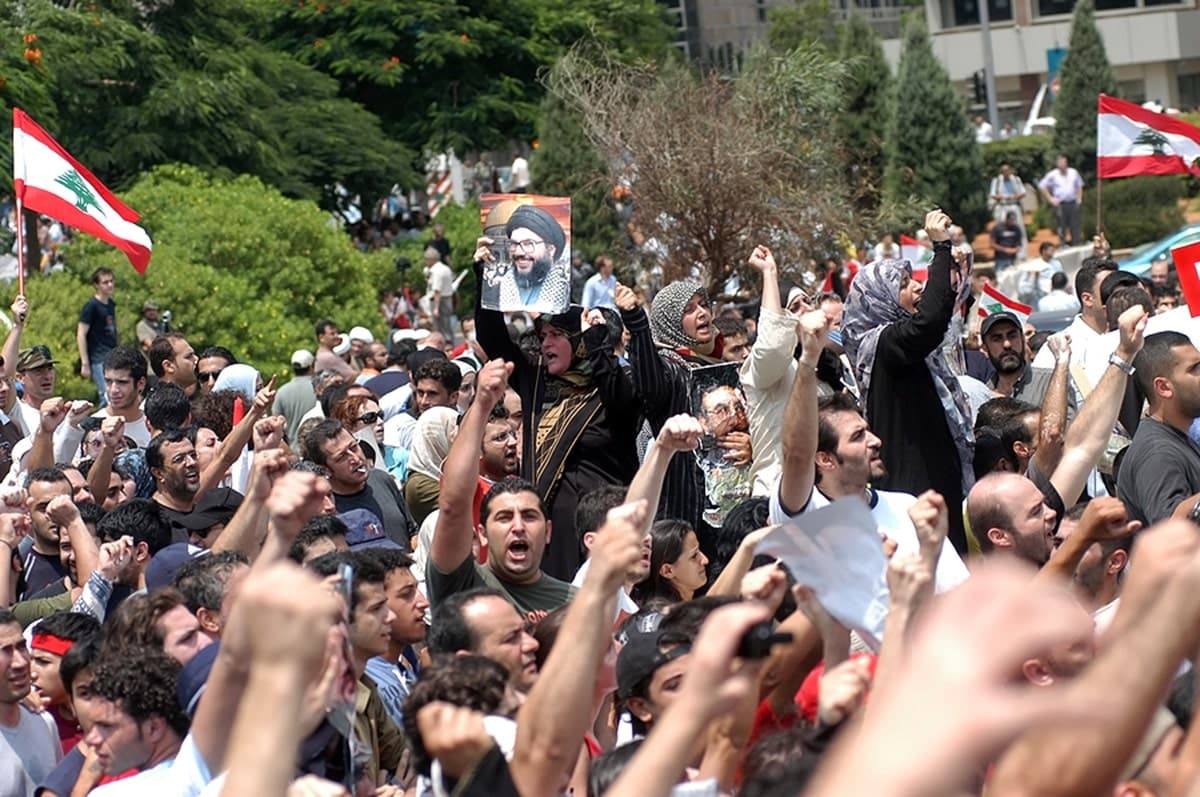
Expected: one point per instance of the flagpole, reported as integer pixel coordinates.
(1099, 223)
(20, 246)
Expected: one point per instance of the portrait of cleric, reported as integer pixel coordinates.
(528, 259)
(720, 405)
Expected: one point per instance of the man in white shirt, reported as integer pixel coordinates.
(829, 452)
(124, 382)
(518, 180)
(1063, 189)
(984, 134)
(440, 281)
(29, 745)
(1092, 321)
(1059, 299)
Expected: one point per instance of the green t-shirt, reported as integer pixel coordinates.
(546, 593)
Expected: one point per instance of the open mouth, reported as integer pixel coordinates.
(518, 550)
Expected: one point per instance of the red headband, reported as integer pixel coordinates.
(51, 644)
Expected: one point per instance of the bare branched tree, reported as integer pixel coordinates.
(718, 165)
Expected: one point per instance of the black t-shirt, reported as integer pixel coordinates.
(101, 319)
(39, 571)
(386, 382)
(1006, 236)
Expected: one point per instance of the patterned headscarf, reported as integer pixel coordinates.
(871, 306)
(431, 441)
(666, 313)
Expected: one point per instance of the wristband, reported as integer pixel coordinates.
(1128, 368)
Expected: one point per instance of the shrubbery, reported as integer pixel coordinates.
(1030, 157)
(239, 264)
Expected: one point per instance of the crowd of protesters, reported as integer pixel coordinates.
(484, 557)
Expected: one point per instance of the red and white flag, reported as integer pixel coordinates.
(1131, 140)
(917, 255)
(992, 301)
(1187, 266)
(48, 180)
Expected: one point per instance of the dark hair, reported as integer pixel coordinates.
(729, 326)
(332, 396)
(154, 455)
(666, 546)
(779, 764)
(449, 632)
(508, 487)
(1156, 359)
(1058, 280)
(683, 621)
(71, 626)
(325, 430)
(142, 683)
(392, 559)
(321, 527)
(141, 519)
(162, 348)
(90, 512)
(474, 682)
(442, 371)
(321, 326)
(990, 450)
(52, 475)
(134, 625)
(204, 580)
(123, 358)
(215, 411)
(499, 413)
(218, 351)
(367, 570)
(100, 274)
(1124, 297)
(995, 412)
(827, 435)
(1091, 268)
(749, 515)
(83, 654)
(167, 407)
(607, 767)
(593, 506)
(546, 634)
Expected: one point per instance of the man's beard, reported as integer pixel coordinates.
(1004, 364)
(536, 275)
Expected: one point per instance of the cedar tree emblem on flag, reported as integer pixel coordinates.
(84, 198)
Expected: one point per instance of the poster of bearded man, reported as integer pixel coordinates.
(530, 265)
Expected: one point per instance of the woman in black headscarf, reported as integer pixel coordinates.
(581, 416)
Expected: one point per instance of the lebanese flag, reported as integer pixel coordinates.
(992, 301)
(1187, 266)
(1131, 140)
(48, 180)
(912, 251)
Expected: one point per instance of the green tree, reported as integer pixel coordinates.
(238, 263)
(932, 155)
(459, 75)
(1085, 75)
(566, 163)
(862, 125)
(804, 23)
(132, 87)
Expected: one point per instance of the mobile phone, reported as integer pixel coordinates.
(1194, 515)
(345, 586)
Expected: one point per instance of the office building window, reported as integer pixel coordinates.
(1189, 91)
(1132, 90)
(966, 12)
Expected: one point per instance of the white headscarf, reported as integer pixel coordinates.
(431, 440)
(240, 378)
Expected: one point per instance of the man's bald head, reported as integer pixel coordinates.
(1008, 511)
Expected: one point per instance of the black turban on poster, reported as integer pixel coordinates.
(540, 222)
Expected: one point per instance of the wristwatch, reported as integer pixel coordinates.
(1124, 366)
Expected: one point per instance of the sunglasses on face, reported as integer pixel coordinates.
(207, 376)
(370, 417)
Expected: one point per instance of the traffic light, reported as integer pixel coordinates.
(979, 87)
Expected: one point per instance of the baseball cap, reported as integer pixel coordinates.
(34, 357)
(215, 506)
(365, 530)
(194, 677)
(166, 563)
(302, 358)
(996, 318)
(643, 654)
(361, 334)
(149, 304)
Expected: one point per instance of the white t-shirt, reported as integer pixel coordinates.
(135, 430)
(624, 602)
(1063, 187)
(185, 775)
(891, 514)
(520, 173)
(1081, 337)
